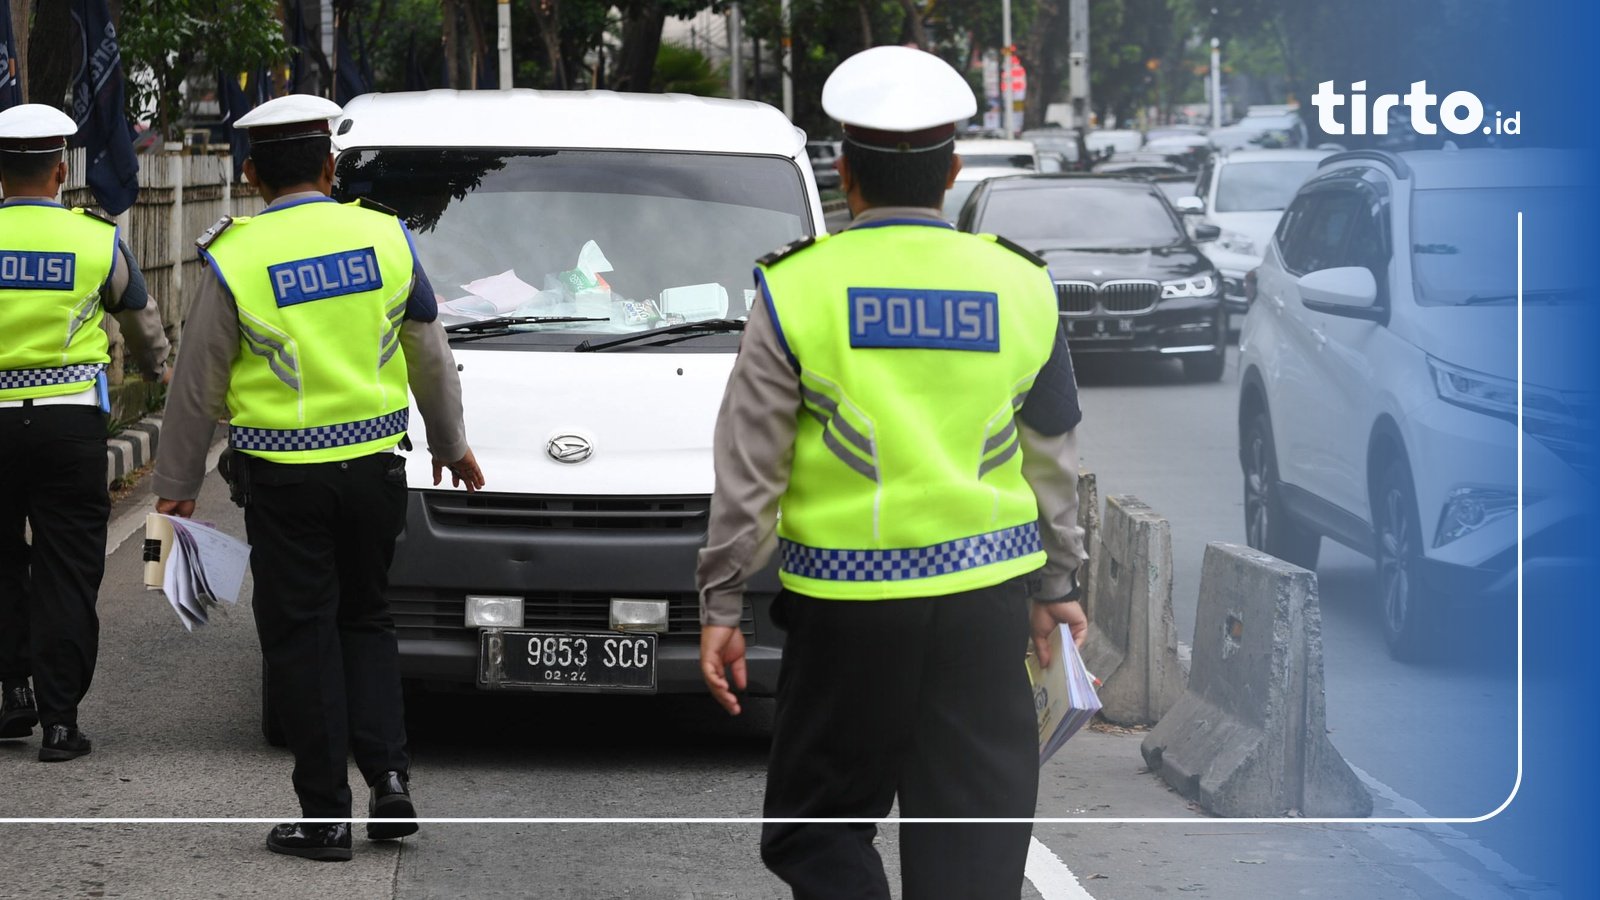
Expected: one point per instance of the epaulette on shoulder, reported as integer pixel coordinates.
(1018, 249)
(214, 232)
(375, 206)
(96, 214)
(790, 249)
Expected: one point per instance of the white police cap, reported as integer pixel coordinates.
(289, 118)
(35, 128)
(898, 98)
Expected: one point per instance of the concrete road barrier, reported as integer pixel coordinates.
(1249, 737)
(1133, 644)
(1089, 521)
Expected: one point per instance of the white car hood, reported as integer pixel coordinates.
(1257, 226)
(1484, 339)
(648, 416)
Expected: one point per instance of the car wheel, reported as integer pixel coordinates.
(1408, 608)
(1266, 526)
(271, 729)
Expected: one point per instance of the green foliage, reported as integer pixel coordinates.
(177, 39)
(681, 70)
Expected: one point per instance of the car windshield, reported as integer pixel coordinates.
(1260, 186)
(639, 240)
(1021, 161)
(1080, 217)
(1464, 245)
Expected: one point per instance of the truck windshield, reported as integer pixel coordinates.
(638, 240)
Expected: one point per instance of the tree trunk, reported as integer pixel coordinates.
(547, 14)
(480, 46)
(914, 24)
(1041, 55)
(866, 24)
(641, 41)
(52, 48)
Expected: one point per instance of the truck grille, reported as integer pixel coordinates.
(568, 513)
(435, 616)
(1123, 298)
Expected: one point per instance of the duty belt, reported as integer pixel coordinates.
(289, 440)
(917, 562)
(15, 379)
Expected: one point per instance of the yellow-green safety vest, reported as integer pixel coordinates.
(321, 289)
(53, 264)
(916, 346)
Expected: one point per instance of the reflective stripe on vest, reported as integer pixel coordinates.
(53, 264)
(321, 289)
(915, 346)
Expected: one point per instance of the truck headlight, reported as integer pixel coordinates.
(1468, 509)
(494, 612)
(1198, 286)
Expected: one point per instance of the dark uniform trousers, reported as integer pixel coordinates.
(925, 699)
(321, 539)
(52, 479)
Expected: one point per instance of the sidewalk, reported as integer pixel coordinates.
(1101, 774)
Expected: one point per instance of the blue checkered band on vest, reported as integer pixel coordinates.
(288, 440)
(920, 562)
(30, 378)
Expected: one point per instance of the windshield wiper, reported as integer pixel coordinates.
(684, 332)
(499, 325)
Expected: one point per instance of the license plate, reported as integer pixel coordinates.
(564, 660)
(1102, 329)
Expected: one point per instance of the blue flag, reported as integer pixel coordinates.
(235, 102)
(10, 88)
(99, 108)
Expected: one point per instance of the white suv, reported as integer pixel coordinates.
(1378, 394)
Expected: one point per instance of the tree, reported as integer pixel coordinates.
(177, 39)
(681, 70)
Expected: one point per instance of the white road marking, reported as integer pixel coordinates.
(1050, 876)
(132, 522)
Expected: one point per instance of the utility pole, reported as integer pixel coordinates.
(788, 60)
(503, 11)
(1216, 83)
(1007, 56)
(1078, 63)
(735, 52)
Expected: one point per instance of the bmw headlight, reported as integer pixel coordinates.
(1198, 286)
(1237, 242)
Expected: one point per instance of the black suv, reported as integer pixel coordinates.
(1129, 278)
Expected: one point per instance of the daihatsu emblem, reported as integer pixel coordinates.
(569, 448)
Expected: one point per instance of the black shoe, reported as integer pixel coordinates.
(63, 742)
(326, 843)
(18, 715)
(391, 799)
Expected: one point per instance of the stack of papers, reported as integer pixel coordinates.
(199, 568)
(1063, 693)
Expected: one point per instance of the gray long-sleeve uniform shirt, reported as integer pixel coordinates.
(211, 341)
(753, 450)
(125, 297)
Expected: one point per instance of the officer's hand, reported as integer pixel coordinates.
(1047, 616)
(463, 471)
(166, 376)
(183, 509)
(722, 646)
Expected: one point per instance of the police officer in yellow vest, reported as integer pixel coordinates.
(311, 322)
(61, 270)
(904, 398)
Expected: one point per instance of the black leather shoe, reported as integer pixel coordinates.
(63, 742)
(325, 843)
(18, 715)
(391, 799)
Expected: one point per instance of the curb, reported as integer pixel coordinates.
(132, 447)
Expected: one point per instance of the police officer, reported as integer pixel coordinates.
(61, 270)
(904, 396)
(311, 321)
